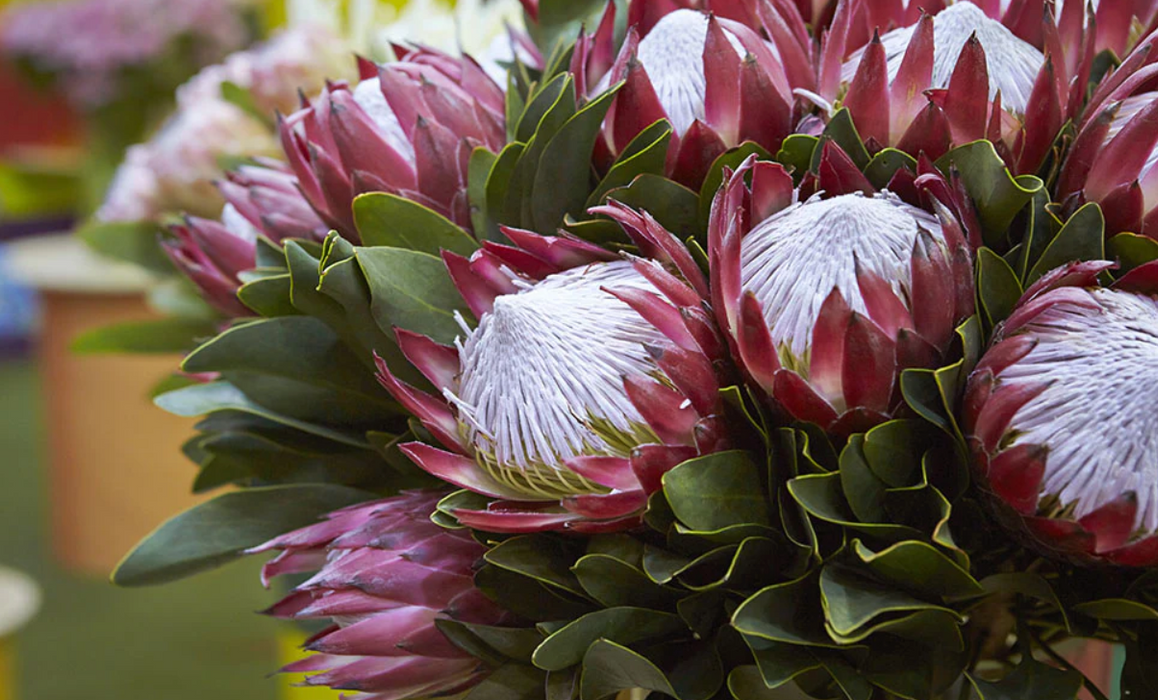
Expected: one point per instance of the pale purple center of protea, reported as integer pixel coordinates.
(548, 362)
(793, 259)
(1098, 416)
(1013, 63)
(368, 95)
(673, 55)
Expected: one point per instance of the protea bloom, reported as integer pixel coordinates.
(385, 574)
(407, 128)
(260, 201)
(718, 81)
(1112, 159)
(950, 79)
(825, 301)
(586, 378)
(1060, 415)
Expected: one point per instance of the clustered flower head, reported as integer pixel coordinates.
(91, 45)
(847, 310)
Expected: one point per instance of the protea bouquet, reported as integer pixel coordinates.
(718, 348)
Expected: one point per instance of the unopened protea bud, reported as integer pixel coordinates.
(408, 130)
(1060, 415)
(586, 378)
(1112, 159)
(385, 575)
(951, 79)
(826, 301)
(261, 200)
(718, 81)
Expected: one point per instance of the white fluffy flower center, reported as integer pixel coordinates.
(547, 362)
(673, 54)
(1013, 63)
(368, 95)
(1097, 418)
(793, 259)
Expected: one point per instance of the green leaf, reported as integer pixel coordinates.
(785, 612)
(167, 335)
(715, 491)
(412, 290)
(214, 397)
(778, 663)
(745, 683)
(492, 644)
(511, 681)
(1117, 609)
(997, 286)
(527, 597)
(885, 164)
(545, 99)
(1028, 584)
(559, 186)
(796, 153)
(614, 583)
(998, 195)
(269, 296)
(1081, 238)
(609, 668)
(646, 154)
(389, 220)
(130, 241)
(479, 169)
(294, 347)
(863, 490)
(822, 497)
(1031, 680)
(852, 600)
(625, 625)
(920, 568)
(841, 130)
(500, 181)
(673, 205)
(1132, 250)
(218, 531)
(541, 557)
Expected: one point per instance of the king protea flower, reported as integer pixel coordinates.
(1060, 416)
(951, 79)
(586, 378)
(717, 81)
(261, 200)
(1112, 159)
(407, 128)
(385, 575)
(825, 301)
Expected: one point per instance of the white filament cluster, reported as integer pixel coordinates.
(793, 259)
(1013, 63)
(546, 361)
(1097, 417)
(673, 54)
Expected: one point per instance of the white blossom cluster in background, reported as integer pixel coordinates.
(88, 45)
(174, 171)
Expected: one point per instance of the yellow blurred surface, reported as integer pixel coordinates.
(289, 650)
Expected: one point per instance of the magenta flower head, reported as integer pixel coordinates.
(718, 81)
(407, 128)
(950, 79)
(385, 575)
(1112, 158)
(585, 380)
(825, 301)
(261, 200)
(1060, 416)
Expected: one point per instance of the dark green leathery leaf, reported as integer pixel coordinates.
(413, 291)
(997, 194)
(614, 583)
(389, 220)
(646, 154)
(624, 625)
(718, 490)
(195, 540)
(998, 288)
(1081, 238)
(1031, 680)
